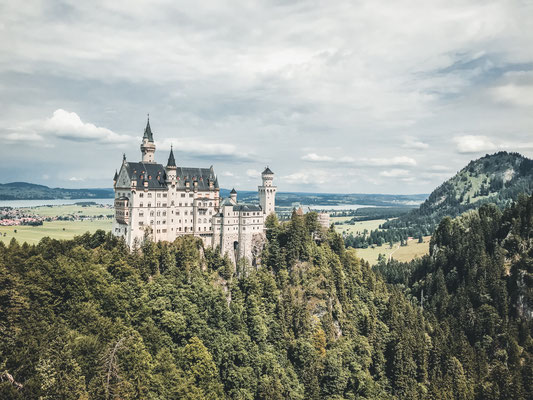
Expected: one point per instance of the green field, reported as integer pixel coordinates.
(54, 229)
(400, 253)
(69, 209)
(358, 227)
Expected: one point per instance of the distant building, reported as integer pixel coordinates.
(166, 202)
(323, 219)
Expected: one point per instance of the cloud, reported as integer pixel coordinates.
(69, 126)
(205, 150)
(520, 95)
(253, 173)
(362, 162)
(25, 137)
(75, 179)
(394, 173)
(227, 173)
(411, 142)
(469, 144)
(316, 158)
(389, 162)
(439, 168)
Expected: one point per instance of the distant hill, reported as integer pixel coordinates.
(497, 178)
(31, 191)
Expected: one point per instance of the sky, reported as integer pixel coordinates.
(334, 96)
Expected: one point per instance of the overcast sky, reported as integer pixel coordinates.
(335, 96)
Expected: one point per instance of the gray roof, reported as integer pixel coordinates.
(233, 191)
(267, 171)
(247, 207)
(155, 175)
(171, 161)
(148, 132)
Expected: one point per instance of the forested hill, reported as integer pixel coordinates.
(498, 178)
(478, 283)
(86, 318)
(31, 191)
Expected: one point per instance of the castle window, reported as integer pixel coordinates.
(141, 214)
(149, 194)
(164, 195)
(140, 204)
(141, 223)
(158, 213)
(164, 213)
(164, 204)
(151, 213)
(149, 204)
(159, 195)
(158, 204)
(141, 194)
(182, 195)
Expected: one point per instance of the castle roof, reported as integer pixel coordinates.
(156, 176)
(116, 176)
(233, 191)
(267, 171)
(171, 161)
(247, 207)
(148, 132)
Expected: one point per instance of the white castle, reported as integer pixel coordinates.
(166, 202)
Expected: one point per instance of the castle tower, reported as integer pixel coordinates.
(233, 195)
(148, 145)
(267, 192)
(170, 169)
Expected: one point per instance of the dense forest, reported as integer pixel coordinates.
(493, 179)
(88, 319)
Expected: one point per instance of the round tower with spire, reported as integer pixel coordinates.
(267, 192)
(148, 145)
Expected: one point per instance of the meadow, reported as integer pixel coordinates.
(53, 229)
(59, 229)
(70, 209)
(359, 227)
(400, 253)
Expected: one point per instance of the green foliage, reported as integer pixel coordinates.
(87, 318)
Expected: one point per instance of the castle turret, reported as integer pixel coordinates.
(170, 169)
(267, 192)
(148, 145)
(233, 195)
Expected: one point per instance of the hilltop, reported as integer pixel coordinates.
(497, 178)
(32, 191)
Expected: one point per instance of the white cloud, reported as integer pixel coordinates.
(388, 162)
(253, 173)
(30, 137)
(362, 162)
(394, 173)
(474, 144)
(227, 173)
(520, 95)
(75, 179)
(439, 168)
(204, 149)
(316, 158)
(69, 126)
(411, 142)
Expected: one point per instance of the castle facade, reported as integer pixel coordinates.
(166, 202)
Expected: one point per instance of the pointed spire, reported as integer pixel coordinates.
(148, 131)
(171, 161)
(116, 176)
(123, 158)
(233, 191)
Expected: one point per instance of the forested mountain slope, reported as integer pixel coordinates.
(498, 178)
(478, 283)
(86, 318)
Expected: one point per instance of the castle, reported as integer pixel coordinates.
(166, 202)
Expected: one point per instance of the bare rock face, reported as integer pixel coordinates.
(258, 244)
